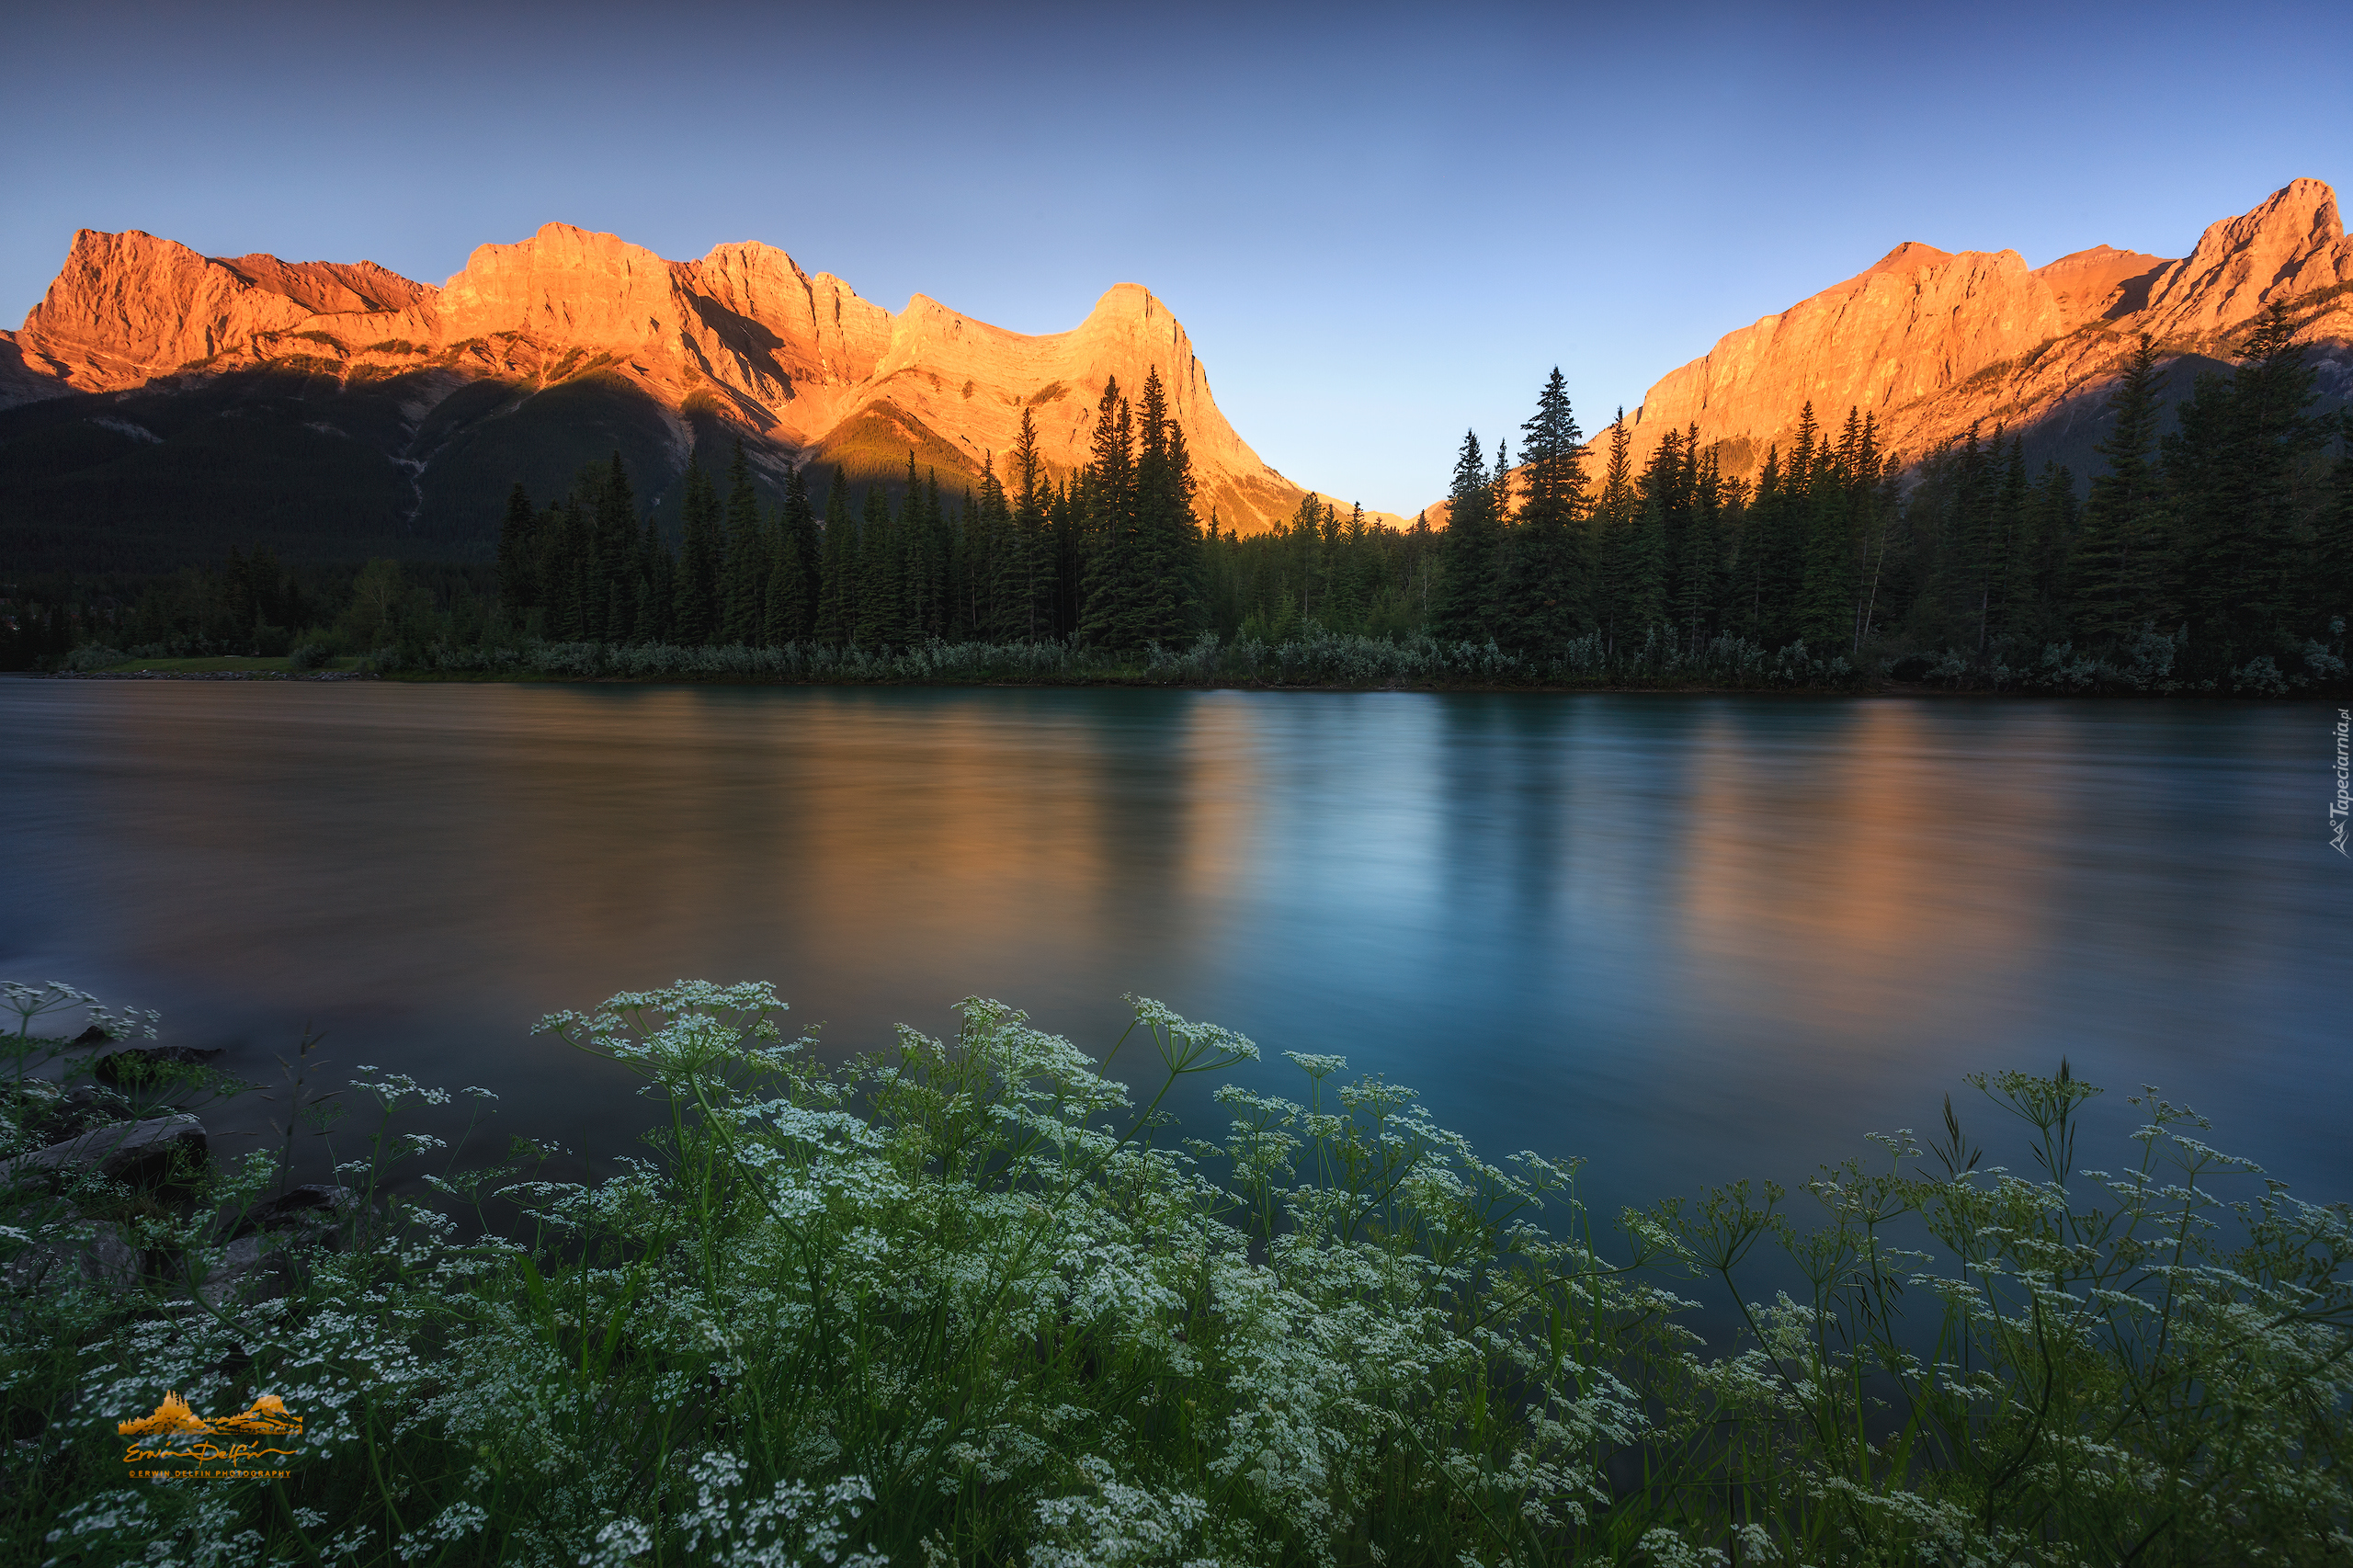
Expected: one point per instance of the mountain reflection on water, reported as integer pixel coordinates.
(1688, 937)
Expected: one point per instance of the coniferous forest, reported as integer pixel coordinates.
(2212, 551)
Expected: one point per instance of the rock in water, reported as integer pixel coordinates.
(139, 1153)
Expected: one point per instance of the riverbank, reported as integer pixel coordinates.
(966, 1301)
(1725, 666)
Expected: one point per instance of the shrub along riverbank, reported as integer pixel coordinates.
(969, 1302)
(1317, 659)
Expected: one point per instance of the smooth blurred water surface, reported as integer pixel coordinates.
(1688, 937)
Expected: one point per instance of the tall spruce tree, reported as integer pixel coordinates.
(1470, 557)
(788, 607)
(1113, 567)
(2114, 573)
(616, 552)
(568, 534)
(2233, 467)
(518, 554)
(1000, 578)
(657, 585)
(750, 555)
(2331, 569)
(1826, 610)
(695, 610)
(1548, 601)
(1778, 532)
(1032, 549)
(838, 587)
(2038, 557)
(881, 607)
(1167, 539)
(1616, 514)
(1700, 571)
(1640, 572)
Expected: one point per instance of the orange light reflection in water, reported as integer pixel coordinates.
(1689, 939)
(1908, 856)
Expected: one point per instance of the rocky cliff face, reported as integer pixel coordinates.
(742, 341)
(1931, 343)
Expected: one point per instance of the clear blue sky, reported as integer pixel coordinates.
(1380, 225)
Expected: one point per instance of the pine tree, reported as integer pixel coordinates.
(1468, 586)
(1616, 515)
(939, 554)
(616, 552)
(1547, 599)
(2331, 569)
(1000, 583)
(838, 587)
(2114, 571)
(659, 583)
(914, 557)
(1066, 542)
(695, 610)
(570, 542)
(1642, 567)
(1878, 510)
(1699, 575)
(743, 589)
(788, 613)
(1826, 610)
(1966, 551)
(2038, 557)
(2231, 467)
(1031, 547)
(1113, 566)
(880, 589)
(1771, 563)
(519, 587)
(1167, 540)
(1637, 548)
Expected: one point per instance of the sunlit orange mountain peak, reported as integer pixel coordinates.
(510, 368)
(1930, 342)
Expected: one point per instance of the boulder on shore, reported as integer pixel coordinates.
(140, 1153)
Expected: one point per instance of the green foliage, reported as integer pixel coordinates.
(1310, 656)
(968, 1301)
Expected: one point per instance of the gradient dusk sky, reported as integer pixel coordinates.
(1379, 225)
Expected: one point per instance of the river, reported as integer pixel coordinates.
(1687, 938)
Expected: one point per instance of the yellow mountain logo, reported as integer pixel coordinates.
(172, 1418)
(267, 1413)
(177, 1439)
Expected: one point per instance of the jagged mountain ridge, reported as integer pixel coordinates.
(541, 354)
(1930, 342)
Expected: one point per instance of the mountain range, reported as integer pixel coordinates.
(158, 402)
(1930, 342)
(158, 405)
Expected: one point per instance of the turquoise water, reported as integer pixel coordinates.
(1688, 938)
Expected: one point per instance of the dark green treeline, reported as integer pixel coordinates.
(2226, 540)
(1111, 557)
(2199, 552)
